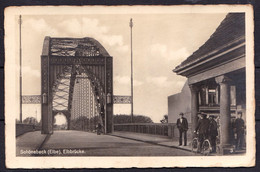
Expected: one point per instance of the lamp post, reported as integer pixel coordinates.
(105, 102)
(20, 41)
(132, 97)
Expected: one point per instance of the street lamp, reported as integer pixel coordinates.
(132, 105)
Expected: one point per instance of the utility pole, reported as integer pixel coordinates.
(20, 30)
(105, 102)
(132, 97)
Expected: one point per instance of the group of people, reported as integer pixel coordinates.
(207, 128)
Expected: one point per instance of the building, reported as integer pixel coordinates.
(216, 77)
(178, 103)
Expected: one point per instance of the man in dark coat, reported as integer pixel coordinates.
(182, 125)
(239, 129)
(202, 128)
(213, 132)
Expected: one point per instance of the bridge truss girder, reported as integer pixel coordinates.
(83, 105)
(58, 66)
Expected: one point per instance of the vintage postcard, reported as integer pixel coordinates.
(129, 86)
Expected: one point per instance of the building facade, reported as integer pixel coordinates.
(216, 76)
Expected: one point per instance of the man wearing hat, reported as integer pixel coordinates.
(239, 128)
(213, 132)
(202, 128)
(182, 125)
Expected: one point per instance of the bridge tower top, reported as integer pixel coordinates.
(73, 47)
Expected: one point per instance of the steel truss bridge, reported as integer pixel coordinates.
(76, 80)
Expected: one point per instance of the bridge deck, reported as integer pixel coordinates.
(30, 140)
(77, 143)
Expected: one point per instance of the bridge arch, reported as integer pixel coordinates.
(63, 61)
(57, 117)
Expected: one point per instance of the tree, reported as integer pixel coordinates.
(165, 119)
(123, 118)
(142, 119)
(82, 123)
(30, 120)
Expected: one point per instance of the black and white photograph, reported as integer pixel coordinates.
(129, 86)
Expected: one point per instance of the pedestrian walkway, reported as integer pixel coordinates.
(30, 140)
(154, 139)
(163, 141)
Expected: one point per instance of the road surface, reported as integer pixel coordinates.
(78, 143)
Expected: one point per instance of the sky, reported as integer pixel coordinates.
(160, 43)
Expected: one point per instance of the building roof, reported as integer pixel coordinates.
(231, 29)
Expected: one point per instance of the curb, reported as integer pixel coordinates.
(150, 142)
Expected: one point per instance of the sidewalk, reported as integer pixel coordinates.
(154, 139)
(163, 141)
(29, 141)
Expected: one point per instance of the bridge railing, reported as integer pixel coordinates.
(147, 128)
(24, 128)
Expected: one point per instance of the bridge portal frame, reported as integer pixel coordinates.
(91, 55)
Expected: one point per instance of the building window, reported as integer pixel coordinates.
(212, 97)
(209, 96)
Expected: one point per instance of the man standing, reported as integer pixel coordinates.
(182, 125)
(239, 127)
(213, 132)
